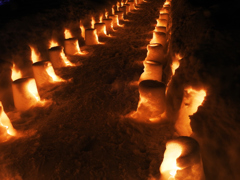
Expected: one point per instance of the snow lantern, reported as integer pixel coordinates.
(58, 58)
(127, 8)
(160, 38)
(152, 71)
(25, 93)
(182, 160)
(164, 16)
(109, 25)
(115, 21)
(160, 29)
(71, 46)
(132, 5)
(6, 127)
(91, 37)
(162, 22)
(191, 101)
(151, 101)
(155, 53)
(44, 74)
(101, 29)
(120, 15)
(165, 10)
(124, 10)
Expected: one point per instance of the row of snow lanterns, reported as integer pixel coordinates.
(25, 90)
(182, 158)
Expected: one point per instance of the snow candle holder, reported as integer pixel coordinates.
(182, 160)
(55, 56)
(127, 8)
(152, 71)
(101, 29)
(120, 15)
(71, 46)
(109, 25)
(124, 10)
(25, 93)
(132, 5)
(91, 37)
(160, 38)
(164, 16)
(165, 10)
(115, 21)
(160, 29)
(152, 100)
(155, 53)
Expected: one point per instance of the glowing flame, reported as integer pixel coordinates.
(106, 14)
(82, 30)
(5, 122)
(169, 166)
(113, 10)
(118, 5)
(52, 74)
(67, 34)
(16, 74)
(92, 22)
(65, 59)
(175, 63)
(35, 56)
(32, 88)
(53, 44)
(100, 18)
(126, 1)
(122, 3)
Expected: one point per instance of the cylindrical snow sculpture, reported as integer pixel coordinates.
(160, 29)
(124, 10)
(101, 29)
(182, 160)
(132, 5)
(55, 56)
(115, 21)
(25, 93)
(120, 15)
(165, 10)
(155, 53)
(164, 16)
(152, 71)
(91, 37)
(160, 38)
(109, 25)
(162, 22)
(71, 46)
(152, 100)
(127, 8)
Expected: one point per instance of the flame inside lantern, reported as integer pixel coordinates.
(16, 74)
(82, 30)
(67, 34)
(100, 18)
(169, 166)
(5, 122)
(175, 63)
(106, 14)
(92, 22)
(118, 5)
(52, 74)
(35, 55)
(191, 101)
(113, 10)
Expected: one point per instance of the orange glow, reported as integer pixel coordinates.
(52, 74)
(53, 44)
(100, 18)
(5, 122)
(67, 34)
(106, 14)
(118, 5)
(35, 56)
(32, 88)
(16, 74)
(169, 166)
(82, 30)
(113, 10)
(163, 11)
(122, 3)
(175, 63)
(191, 101)
(65, 59)
(92, 22)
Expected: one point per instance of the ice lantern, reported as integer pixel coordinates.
(155, 53)
(162, 22)
(182, 160)
(57, 57)
(164, 16)
(151, 101)
(160, 38)
(132, 5)
(71, 46)
(160, 29)
(109, 25)
(115, 21)
(91, 37)
(44, 74)
(101, 29)
(152, 71)
(25, 93)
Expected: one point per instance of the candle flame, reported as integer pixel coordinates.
(106, 14)
(82, 30)
(16, 74)
(5, 122)
(35, 56)
(122, 3)
(113, 10)
(52, 74)
(92, 22)
(53, 44)
(67, 34)
(118, 6)
(100, 18)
